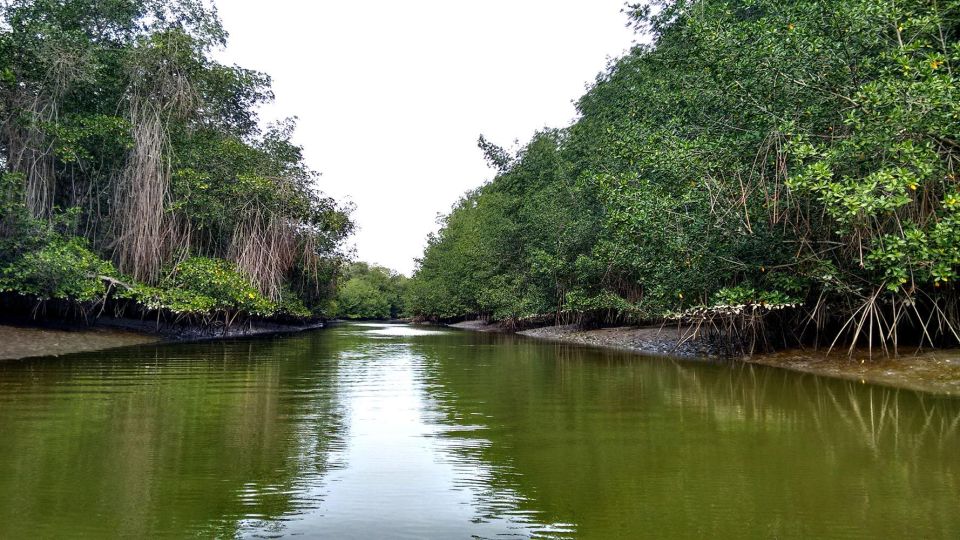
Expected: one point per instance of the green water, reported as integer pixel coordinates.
(367, 431)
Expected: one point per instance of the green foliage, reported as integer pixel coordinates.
(360, 299)
(199, 286)
(62, 269)
(758, 153)
(78, 139)
(742, 295)
(292, 305)
(118, 112)
(371, 292)
(41, 259)
(18, 231)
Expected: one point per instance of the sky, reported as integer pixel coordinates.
(391, 96)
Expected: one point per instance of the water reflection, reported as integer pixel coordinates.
(389, 431)
(407, 475)
(202, 439)
(620, 446)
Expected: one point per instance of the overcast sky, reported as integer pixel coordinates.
(391, 96)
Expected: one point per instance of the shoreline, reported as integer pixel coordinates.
(19, 342)
(23, 338)
(935, 371)
(649, 340)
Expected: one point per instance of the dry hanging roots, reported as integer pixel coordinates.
(30, 149)
(144, 232)
(264, 247)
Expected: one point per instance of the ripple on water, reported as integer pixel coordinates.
(384, 430)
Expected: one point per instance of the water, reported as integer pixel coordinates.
(375, 431)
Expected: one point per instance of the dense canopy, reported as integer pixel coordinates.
(370, 292)
(760, 162)
(135, 163)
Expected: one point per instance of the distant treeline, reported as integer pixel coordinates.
(135, 174)
(370, 292)
(769, 171)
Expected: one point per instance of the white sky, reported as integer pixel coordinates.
(391, 96)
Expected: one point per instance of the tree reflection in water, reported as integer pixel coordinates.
(363, 431)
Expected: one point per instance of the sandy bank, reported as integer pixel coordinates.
(182, 332)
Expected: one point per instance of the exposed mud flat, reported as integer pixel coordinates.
(932, 371)
(479, 326)
(26, 342)
(187, 332)
(24, 339)
(658, 340)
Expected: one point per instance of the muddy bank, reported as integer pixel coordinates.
(26, 339)
(26, 342)
(658, 340)
(181, 332)
(479, 326)
(934, 371)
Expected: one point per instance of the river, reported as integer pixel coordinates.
(380, 431)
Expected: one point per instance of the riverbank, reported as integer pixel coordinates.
(655, 340)
(18, 342)
(28, 339)
(934, 371)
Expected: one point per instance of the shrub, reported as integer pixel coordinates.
(203, 286)
(62, 269)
